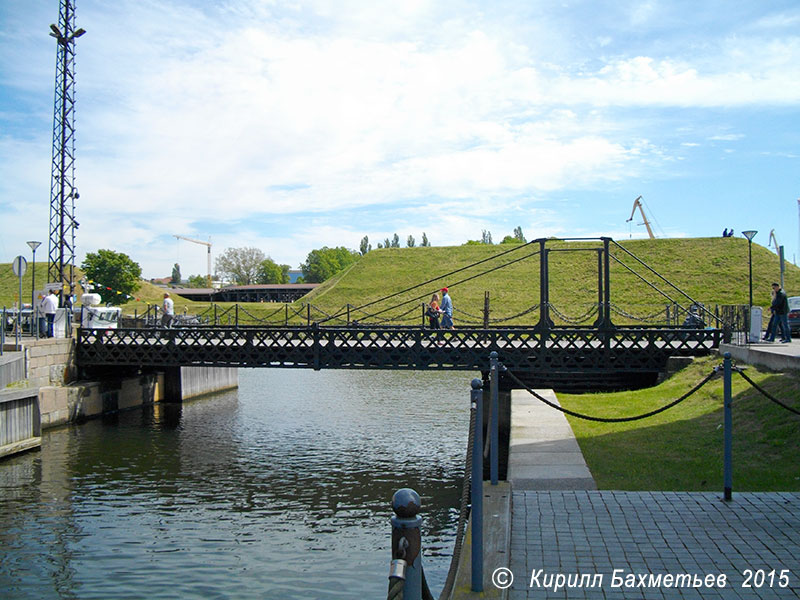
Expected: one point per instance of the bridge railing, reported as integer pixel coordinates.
(274, 315)
(396, 347)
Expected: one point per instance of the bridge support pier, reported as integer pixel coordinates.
(181, 383)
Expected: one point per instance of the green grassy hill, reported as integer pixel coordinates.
(710, 270)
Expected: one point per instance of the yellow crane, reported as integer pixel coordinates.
(638, 204)
(208, 245)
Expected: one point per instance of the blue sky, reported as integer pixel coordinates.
(292, 125)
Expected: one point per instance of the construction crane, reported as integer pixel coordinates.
(208, 245)
(773, 240)
(646, 223)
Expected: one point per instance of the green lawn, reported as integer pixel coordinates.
(681, 448)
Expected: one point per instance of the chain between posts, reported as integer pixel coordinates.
(612, 419)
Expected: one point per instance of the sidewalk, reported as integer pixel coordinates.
(775, 356)
(570, 541)
(644, 545)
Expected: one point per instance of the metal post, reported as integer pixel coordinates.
(728, 425)
(476, 489)
(407, 540)
(494, 417)
(236, 312)
(486, 310)
(544, 298)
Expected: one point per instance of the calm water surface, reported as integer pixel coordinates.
(280, 490)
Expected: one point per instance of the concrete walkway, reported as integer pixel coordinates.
(543, 452)
(775, 356)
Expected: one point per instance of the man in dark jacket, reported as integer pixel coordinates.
(780, 308)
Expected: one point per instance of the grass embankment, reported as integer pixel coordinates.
(681, 448)
(710, 270)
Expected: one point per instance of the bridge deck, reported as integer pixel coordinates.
(527, 350)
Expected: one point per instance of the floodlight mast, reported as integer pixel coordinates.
(63, 193)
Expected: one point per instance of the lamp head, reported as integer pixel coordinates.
(750, 234)
(34, 245)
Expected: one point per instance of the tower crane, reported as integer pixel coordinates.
(646, 223)
(208, 245)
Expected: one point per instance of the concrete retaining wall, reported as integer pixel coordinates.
(78, 402)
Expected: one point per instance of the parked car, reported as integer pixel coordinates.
(794, 314)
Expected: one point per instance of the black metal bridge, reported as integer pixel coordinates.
(561, 357)
(600, 355)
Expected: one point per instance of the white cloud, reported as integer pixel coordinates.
(263, 114)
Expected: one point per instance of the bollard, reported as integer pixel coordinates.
(494, 442)
(476, 489)
(407, 543)
(728, 425)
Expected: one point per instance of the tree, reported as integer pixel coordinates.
(396, 241)
(425, 241)
(411, 242)
(386, 243)
(326, 262)
(518, 235)
(510, 239)
(240, 265)
(486, 237)
(176, 274)
(271, 272)
(115, 270)
(365, 245)
(197, 281)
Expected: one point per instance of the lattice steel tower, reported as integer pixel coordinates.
(63, 194)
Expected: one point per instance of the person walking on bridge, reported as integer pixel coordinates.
(169, 311)
(433, 311)
(447, 309)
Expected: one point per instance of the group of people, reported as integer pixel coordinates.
(779, 316)
(440, 316)
(726, 233)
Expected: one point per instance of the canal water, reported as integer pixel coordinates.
(278, 490)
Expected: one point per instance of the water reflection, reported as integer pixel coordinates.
(279, 490)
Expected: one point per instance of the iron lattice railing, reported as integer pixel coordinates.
(526, 349)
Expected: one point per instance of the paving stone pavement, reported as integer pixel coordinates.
(753, 539)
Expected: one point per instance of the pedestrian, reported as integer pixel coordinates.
(433, 312)
(169, 311)
(49, 307)
(780, 308)
(447, 309)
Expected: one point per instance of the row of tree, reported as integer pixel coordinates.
(411, 242)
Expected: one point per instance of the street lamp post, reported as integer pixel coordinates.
(750, 234)
(34, 246)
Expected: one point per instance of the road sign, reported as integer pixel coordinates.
(19, 266)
